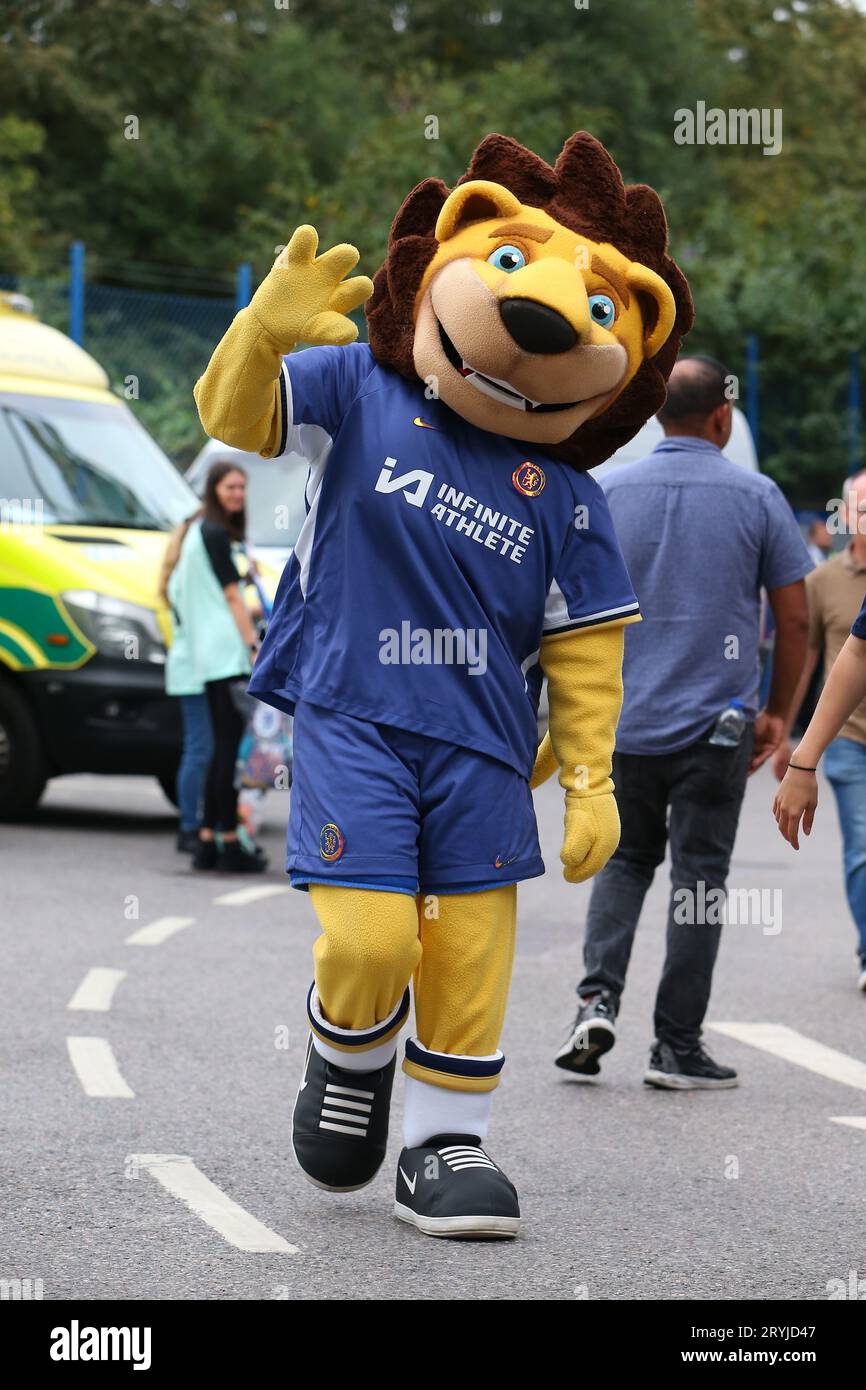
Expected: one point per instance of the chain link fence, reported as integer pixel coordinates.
(153, 346)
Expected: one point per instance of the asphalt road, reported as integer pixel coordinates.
(627, 1193)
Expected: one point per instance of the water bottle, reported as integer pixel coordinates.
(729, 727)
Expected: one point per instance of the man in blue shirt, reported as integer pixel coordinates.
(701, 536)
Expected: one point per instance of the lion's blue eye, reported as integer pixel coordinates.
(507, 258)
(602, 310)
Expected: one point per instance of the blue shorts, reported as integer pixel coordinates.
(378, 807)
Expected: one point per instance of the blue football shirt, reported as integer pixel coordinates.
(433, 558)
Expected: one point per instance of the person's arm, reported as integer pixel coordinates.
(581, 654)
(584, 681)
(782, 754)
(791, 617)
(170, 559)
(814, 651)
(304, 298)
(241, 615)
(844, 690)
(219, 549)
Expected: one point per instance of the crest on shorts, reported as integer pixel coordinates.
(331, 842)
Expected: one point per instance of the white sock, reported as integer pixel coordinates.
(368, 1059)
(429, 1110)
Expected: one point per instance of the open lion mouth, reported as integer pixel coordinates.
(492, 386)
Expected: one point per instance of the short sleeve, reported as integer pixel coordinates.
(784, 558)
(219, 549)
(858, 628)
(590, 580)
(317, 386)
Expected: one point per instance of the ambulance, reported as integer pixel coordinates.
(86, 501)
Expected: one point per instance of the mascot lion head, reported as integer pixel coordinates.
(538, 303)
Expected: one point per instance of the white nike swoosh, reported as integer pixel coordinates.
(303, 1085)
(410, 1185)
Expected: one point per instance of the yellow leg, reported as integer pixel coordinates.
(462, 980)
(366, 954)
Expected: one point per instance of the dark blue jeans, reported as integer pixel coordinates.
(195, 759)
(845, 767)
(691, 799)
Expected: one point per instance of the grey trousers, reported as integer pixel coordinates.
(702, 787)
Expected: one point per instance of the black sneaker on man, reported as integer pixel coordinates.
(340, 1122)
(694, 1070)
(451, 1187)
(593, 1034)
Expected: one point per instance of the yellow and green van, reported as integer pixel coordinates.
(86, 500)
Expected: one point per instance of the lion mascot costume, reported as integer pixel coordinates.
(455, 551)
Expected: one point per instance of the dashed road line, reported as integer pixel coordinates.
(240, 897)
(96, 1068)
(96, 990)
(178, 1174)
(855, 1121)
(795, 1047)
(156, 932)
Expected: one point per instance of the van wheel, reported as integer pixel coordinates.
(23, 772)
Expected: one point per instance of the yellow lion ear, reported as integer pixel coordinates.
(474, 201)
(645, 281)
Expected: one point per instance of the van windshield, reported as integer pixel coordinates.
(86, 464)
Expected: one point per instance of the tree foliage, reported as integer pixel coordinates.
(179, 137)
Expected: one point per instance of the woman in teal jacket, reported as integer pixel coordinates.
(218, 647)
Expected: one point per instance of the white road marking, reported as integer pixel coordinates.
(178, 1175)
(796, 1047)
(96, 1068)
(240, 897)
(160, 930)
(96, 990)
(855, 1121)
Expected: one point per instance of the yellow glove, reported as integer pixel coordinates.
(304, 298)
(584, 677)
(545, 763)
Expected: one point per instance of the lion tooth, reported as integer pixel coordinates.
(482, 381)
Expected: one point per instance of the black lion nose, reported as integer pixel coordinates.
(536, 327)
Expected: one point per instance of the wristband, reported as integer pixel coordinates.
(798, 768)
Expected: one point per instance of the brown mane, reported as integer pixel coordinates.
(585, 192)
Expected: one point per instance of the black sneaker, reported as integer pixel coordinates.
(451, 1187)
(205, 855)
(593, 1034)
(234, 859)
(340, 1123)
(687, 1071)
(187, 841)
